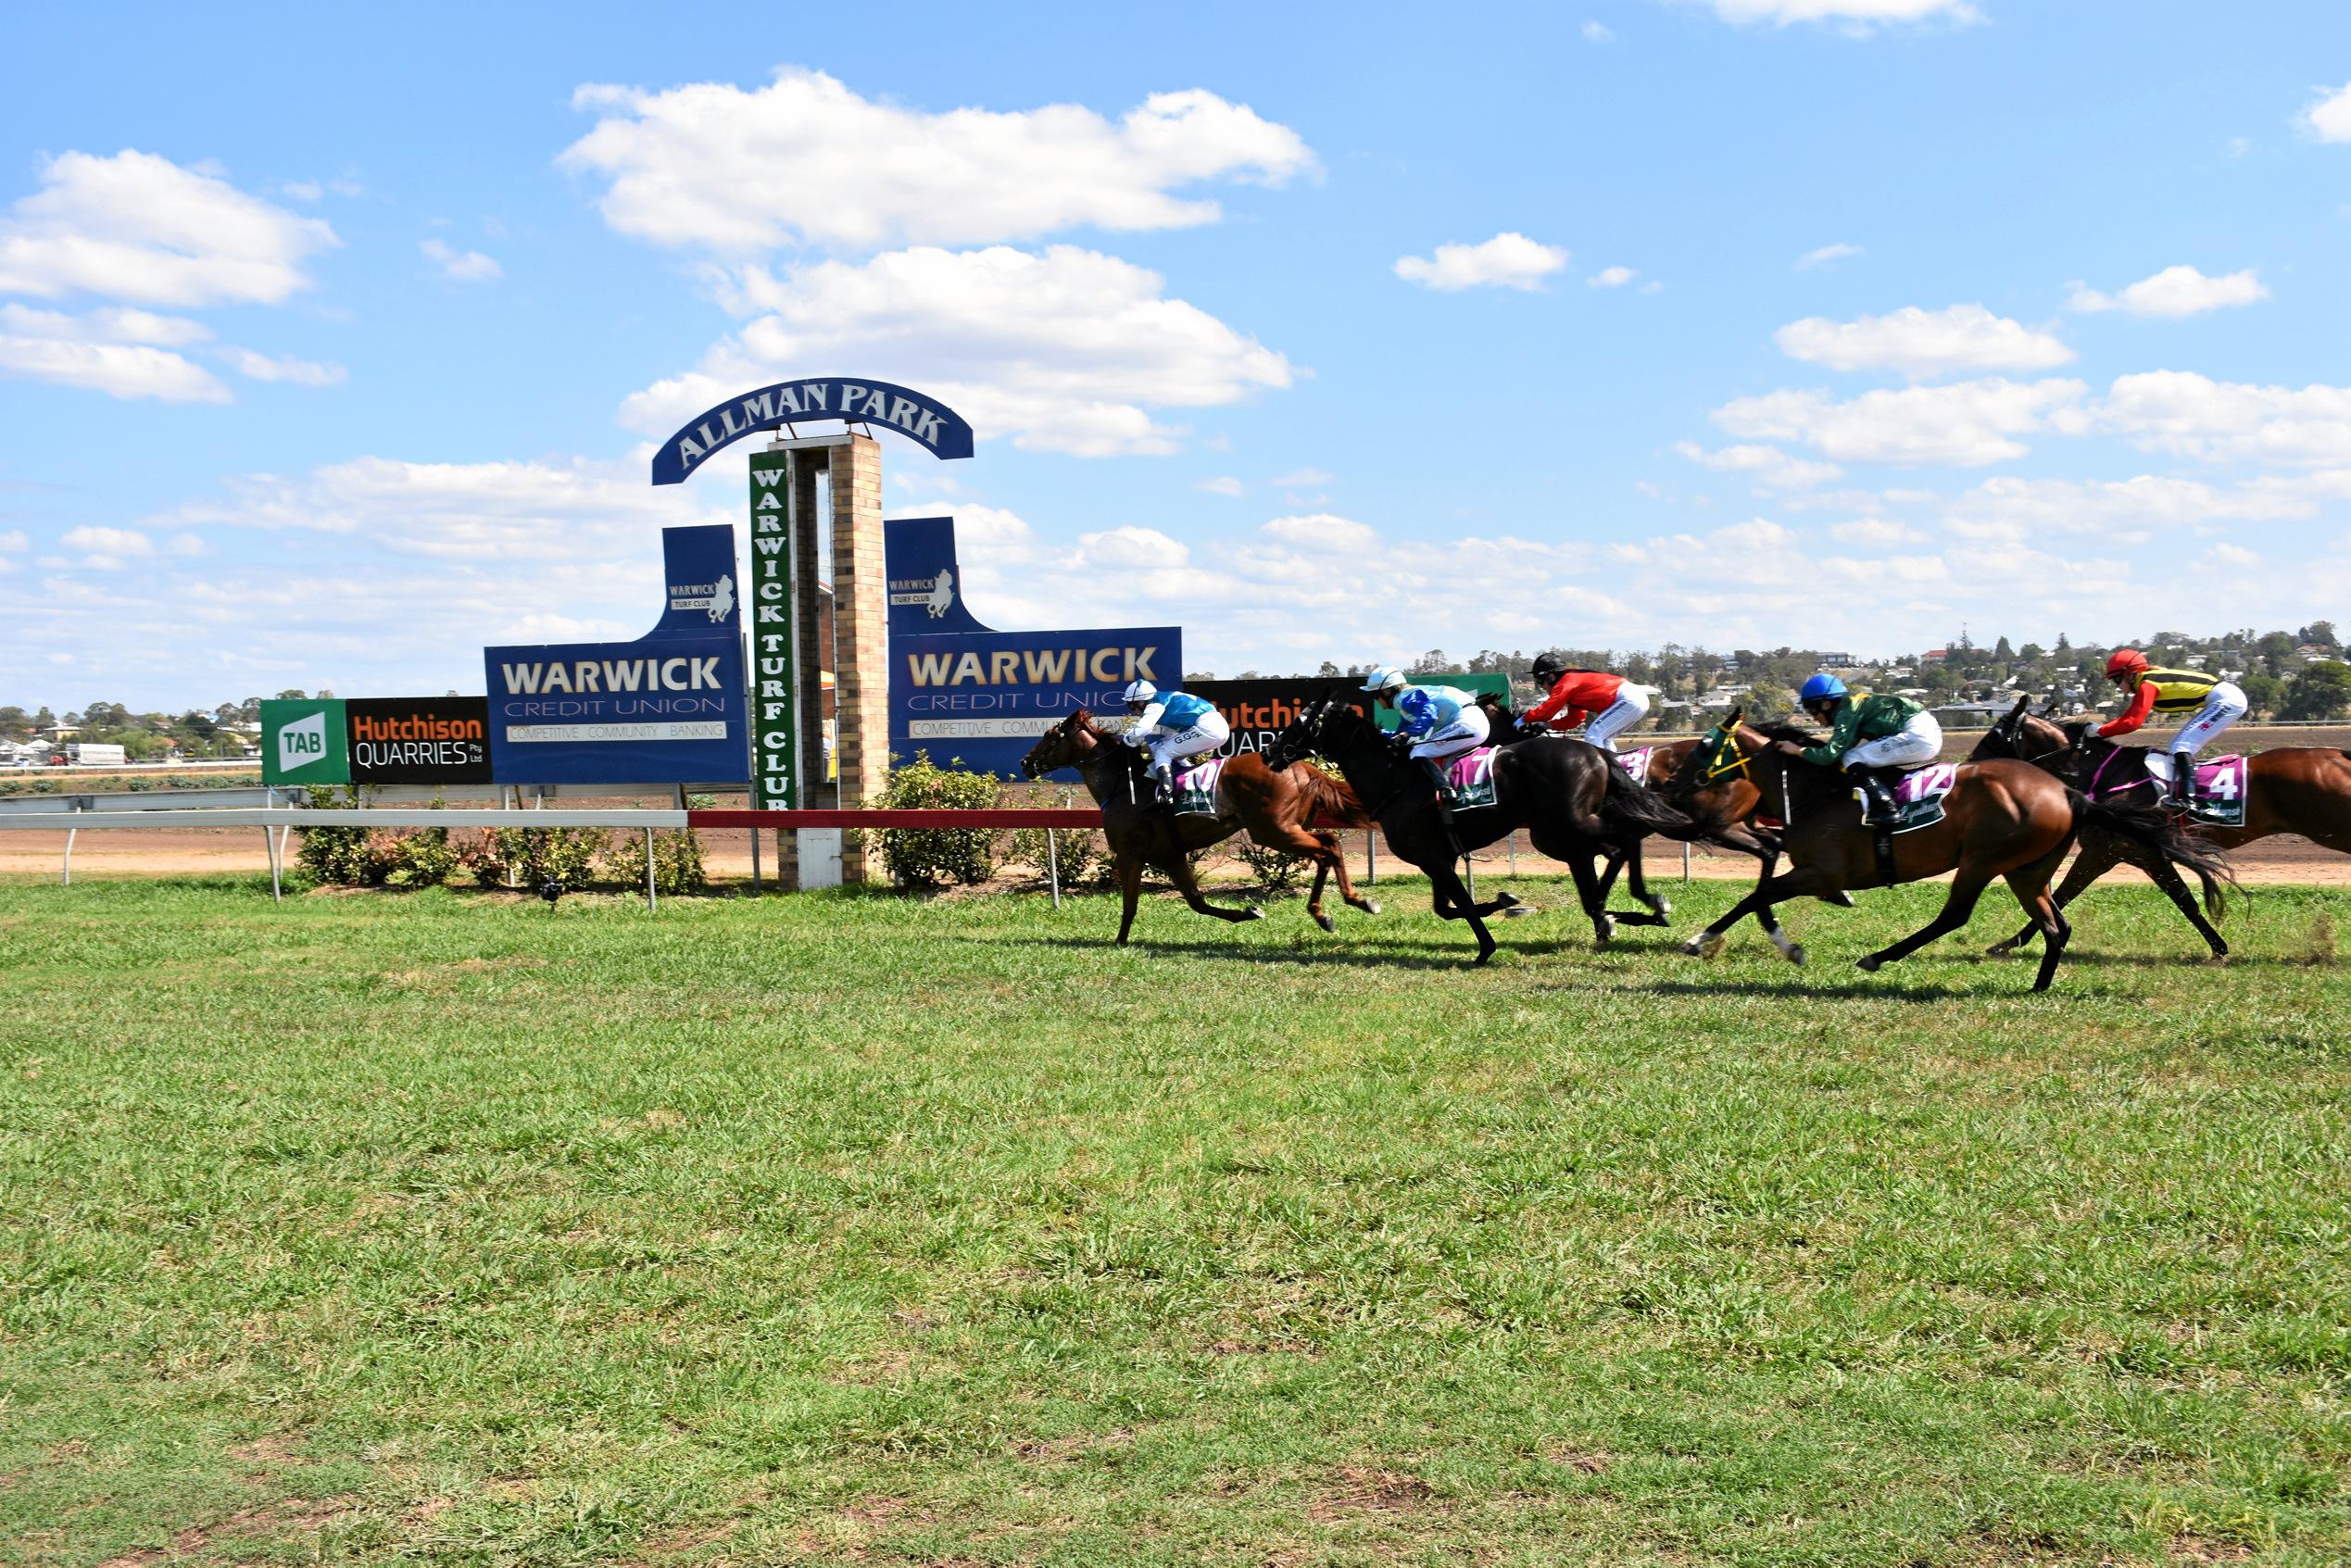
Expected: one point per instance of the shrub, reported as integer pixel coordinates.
(927, 856)
(1078, 852)
(677, 861)
(351, 857)
(425, 858)
(527, 857)
(1276, 871)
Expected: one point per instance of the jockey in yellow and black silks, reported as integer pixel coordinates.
(2216, 703)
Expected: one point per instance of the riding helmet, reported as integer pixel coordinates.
(1140, 691)
(1823, 688)
(1548, 667)
(2126, 662)
(1385, 680)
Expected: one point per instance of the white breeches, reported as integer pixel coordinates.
(2223, 708)
(1629, 708)
(1465, 733)
(1915, 744)
(1169, 748)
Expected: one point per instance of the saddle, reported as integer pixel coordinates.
(2217, 796)
(1472, 776)
(1918, 794)
(1195, 788)
(1635, 763)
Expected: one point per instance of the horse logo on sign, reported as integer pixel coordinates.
(942, 594)
(722, 600)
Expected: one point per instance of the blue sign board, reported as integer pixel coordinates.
(666, 709)
(925, 420)
(960, 690)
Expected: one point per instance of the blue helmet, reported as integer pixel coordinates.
(1823, 688)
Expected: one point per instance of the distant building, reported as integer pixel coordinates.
(1934, 656)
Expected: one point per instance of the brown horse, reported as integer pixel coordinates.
(2304, 790)
(1277, 807)
(2004, 819)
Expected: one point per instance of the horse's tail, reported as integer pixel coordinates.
(1327, 798)
(1629, 806)
(2154, 830)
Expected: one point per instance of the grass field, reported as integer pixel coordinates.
(444, 1229)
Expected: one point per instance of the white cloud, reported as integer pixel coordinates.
(1303, 479)
(1876, 534)
(2193, 416)
(807, 160)
(108, 549)
(1131, 549)
(138, 227)
(1322, 534)
(2175, 291)
(1767, 466)
(284, 368)
(466, 266)
(1965, 424)
(15, 540)
(117, 369)
(111, 325)
(2125, 512)
(1853, 15)
(1598, 32)
(1825, 254)
(1509, 261)
(2329, 116)
(1224, 485)
(1067, 351)
(1920, 344)
(1611, 277)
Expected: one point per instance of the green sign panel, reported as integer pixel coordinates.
(305, 742)
(775, 755)
(1491, 684)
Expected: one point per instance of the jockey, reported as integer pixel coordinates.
(2216, 703)
(1171, 726)
(1611, 703)
(1441, 721)
(1870, 733)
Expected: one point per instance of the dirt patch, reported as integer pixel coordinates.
(1356, 1491)
(271, 1519)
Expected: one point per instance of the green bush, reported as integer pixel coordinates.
(349, 857)
(425, 858)
(928, 857)
(1276, 871)
(1081, 854)
(528, 857)
(677, 861)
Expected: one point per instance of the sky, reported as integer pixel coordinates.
(335, 343)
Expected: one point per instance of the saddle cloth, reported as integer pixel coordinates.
(1918, 796)
(1636, 762)
(1196, 788)
(2220, 790)
(1472, 776)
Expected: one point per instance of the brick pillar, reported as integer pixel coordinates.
(861, 629)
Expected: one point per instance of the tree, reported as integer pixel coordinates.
(2263, 693)
(2032, 653)
(294, 693)
(2002, 653)
(1433, 662)
(2322, 691)
(2275, 648)
(1329, 669)
(2321, 633)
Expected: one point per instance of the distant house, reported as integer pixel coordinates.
(1839, 661)
(1973, 715)
(1934, 656)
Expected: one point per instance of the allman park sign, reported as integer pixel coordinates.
(925, 420)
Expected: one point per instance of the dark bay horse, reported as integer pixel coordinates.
(2304, 790)
(1571, 799)
(2003, 818)
(1279, 806)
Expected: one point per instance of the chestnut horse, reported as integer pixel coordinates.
(2304, 790)
(2003, 818)
(1278, 807)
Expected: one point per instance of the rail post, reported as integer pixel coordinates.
(651, 901)
(69, 860)
(1053, 866)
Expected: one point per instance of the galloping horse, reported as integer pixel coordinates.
(1570, 797)
(2002, 818)
(2304, 790)
(1276, 805)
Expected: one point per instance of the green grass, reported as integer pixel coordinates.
(441, 1229)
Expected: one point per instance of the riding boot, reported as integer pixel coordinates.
(2183, 779)
(1879, 811)
(1436, 772)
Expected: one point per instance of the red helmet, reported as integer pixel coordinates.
(2126, 661)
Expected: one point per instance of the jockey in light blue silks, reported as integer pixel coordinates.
(1441, 721)
(1170, 726)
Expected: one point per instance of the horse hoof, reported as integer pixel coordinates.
(1603, 929)
(1370, 908)
(1256, 913)
(1841, 899)
(1703, 945)
(2000, 949)
(1796, 954)
(1325, 922)
(1872, 964)
(1520, 911)
(1662, 906)
(1507, 900)
(1481, 958)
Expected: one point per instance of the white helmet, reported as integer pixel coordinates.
(1384, 681)
(1140, 691)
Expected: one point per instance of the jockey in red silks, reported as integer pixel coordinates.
(1609, 701)
(2216, 703)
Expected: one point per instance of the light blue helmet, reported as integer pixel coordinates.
(1823, 688)
(1140, 691)
(1385, 680)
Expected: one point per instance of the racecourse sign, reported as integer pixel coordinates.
(962, 690)
(666, 709)
(925, 420)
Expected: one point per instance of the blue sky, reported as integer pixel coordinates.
(331, 346)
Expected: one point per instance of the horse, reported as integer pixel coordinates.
(2000, 819)
(1728, 805)
(1276, 805)
(2304, 790)
(1570, 797)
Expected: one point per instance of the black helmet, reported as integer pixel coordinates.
(1549, 667)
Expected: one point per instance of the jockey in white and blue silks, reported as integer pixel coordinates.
(1441, 721)
(1171, 726)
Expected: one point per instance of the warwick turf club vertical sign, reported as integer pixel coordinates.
(775, 779)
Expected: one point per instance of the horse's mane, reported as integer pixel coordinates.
(1789, 731)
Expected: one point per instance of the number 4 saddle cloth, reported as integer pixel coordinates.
(2220, 790)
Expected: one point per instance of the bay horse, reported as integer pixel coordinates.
(1279, 806)
(1572, 799)
(2304, 790)
(2000, 819)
